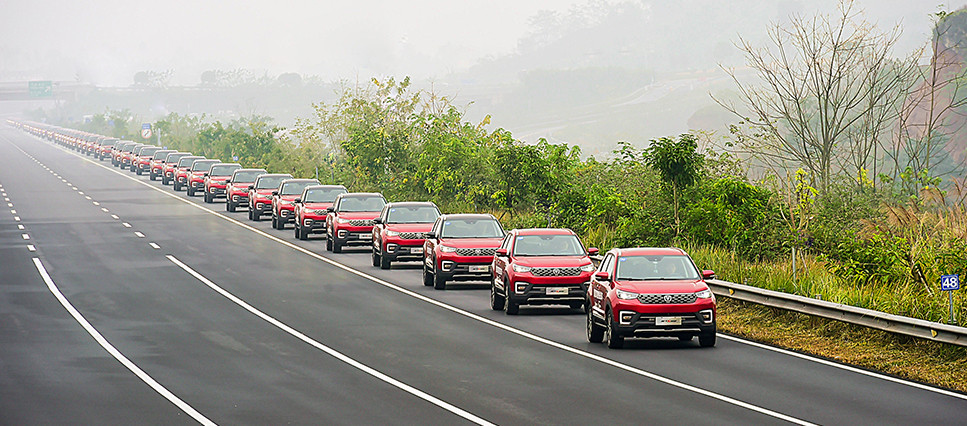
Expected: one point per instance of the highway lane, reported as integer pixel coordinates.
(503, 377)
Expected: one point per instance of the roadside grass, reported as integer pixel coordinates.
(938, 364)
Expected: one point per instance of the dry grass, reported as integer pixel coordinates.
(914, 359)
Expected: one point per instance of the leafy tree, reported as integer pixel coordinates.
(678, 165)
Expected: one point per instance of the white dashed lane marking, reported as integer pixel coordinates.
(25, 236)
(140, 235)
(126, 225)
(154, 246)
(115, 217)
(30, 247)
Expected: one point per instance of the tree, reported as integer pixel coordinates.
(829, 90)
(678, 165)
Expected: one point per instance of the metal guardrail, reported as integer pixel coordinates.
(914, 327)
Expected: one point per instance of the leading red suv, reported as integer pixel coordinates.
(236, 187)
(350, 219)
(540, 266)
(260, 194)
(460, 247)
(311, 208)
(650, 292)
(400, 231)
(283, 210)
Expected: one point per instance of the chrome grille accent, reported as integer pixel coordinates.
(476, 251)
(361, 222)
(412, 235)
(556, 272)
(667, 299)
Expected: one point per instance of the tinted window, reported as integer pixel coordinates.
(471, 228)
(548, 245)
(108, 142)
(271, 182)
(247, 176)
(295, 188)
(412, 214)
(641, 268)
(173, 158)
(322, 195)
(149, 151)
(161, 154)
(185, 162)
(362, 204)
(224, 170)
(202, 165)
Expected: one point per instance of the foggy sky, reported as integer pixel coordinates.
(106, 41)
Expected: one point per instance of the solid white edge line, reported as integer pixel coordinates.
(114, 352)
(845, 367)
(476, 317)
(331, 352)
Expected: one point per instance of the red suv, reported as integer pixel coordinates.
(236, 187)
(180, 173)
(215, 179)
(196, 174)
(128, 155)
(650, 292)
(540, 267)
(460, 247)
(350, 219)
(170, 166)
(142, 161)
(283, 199)
(311, 208)
(260, 194)
(400, 231)
(157, 163)
(104, 148)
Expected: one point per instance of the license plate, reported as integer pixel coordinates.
(365, 236)
(555, 291)
(479, 268)
(668, 321)
(416, 250)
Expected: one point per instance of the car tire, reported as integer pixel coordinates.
(295, 232)
(614, 340)
(152, 176)
(576, 305)
(229, 206)
(191, 190)
(175, 186)
(384, 262)
(439, 283)
(496, 300)
(376, 259)
(273, 221)
(139, 172)
(336, 246)
(208, 198)
(706, 340)
(510, 307)
(427, 276)
(595, 330)
(164, 180)
(328, 242)
(303, 233)
(256, 216)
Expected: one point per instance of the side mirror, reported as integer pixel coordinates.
(251, 187)
(274, 193)
(205, 174)
(602, 276)
(593, 251)
(708, 274)
(297, 200)
(378, 220)
(501, 252)
(330, 209)
(430, 235)
(228, 181)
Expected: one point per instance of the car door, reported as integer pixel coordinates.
(600, 289)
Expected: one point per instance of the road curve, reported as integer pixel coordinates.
(244, 324)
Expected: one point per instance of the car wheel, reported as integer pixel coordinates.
(273, 221)
(576, 305)
(303, 233)
(152, 176)
(496, 300)
(439, 282)
(295, 231)
(164, 180)
(229, 206)
(139, 172)
(376, 259)
(175, 186)
(595, 331)
(328, 242)
(427, 276)
(510, 307)
(336, 246)
(208, 198)
(256, 216)
(191, 190)
(610, 335)
(706, 340)
(384, 262)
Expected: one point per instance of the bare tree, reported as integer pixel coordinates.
(829, 90)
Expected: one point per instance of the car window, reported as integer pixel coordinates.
(202, 165)
(362, 204)
(271, 182)
(247, 176)
(224, 170)
(659, 267)
(548, 245)
(412, 214)
(149, 151)
(322, 195)
(471, 228)
(606, 264)
(295, 188)
(185, 161)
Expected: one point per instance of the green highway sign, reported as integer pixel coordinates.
(40, 89)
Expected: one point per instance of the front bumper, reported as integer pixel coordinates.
(452, 270)
(315, 225)
(354, 236)
(638, 324)
(564, 292)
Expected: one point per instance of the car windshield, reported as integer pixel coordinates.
(224, 170)
(149, 151)
(202, 165)
(185, 162)
(660, 267)
(412, 214)
(108, 142)
(173, 158)
(247, 176)
(322, 195)
(471, 228)
(271, 182)
(548, 245)
(362, 204)
(295, 188)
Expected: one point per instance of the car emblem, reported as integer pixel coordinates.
(668, 298)
(478, 252)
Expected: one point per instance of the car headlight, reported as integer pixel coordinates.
(448, 249)
(522, 268)
(704, 294)
(309, 211)
(625, 295)
(392, 233)
(341, 220)
(588, 268)
(285, 202)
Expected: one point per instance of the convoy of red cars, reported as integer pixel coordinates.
(629, 293)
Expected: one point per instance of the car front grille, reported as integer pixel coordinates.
(667, 299)
(412, 235)
(556, 272)
(361, 222)
(476, 251)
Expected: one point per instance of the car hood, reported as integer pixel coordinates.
(264, 192)
(359, 215)
(409, 227)
(289, 197)
(659, 287)
(218, 178)
(471, 242)
(317, 206)
(552, 261)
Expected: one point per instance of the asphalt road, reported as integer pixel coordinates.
(203, 316)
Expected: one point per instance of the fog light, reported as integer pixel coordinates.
(235, 198)
(706, 316)
(447, 265)
(343, 233)
(213, 190)
(391, 248)
(307, 222)
(520, 287)
(624, 317)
